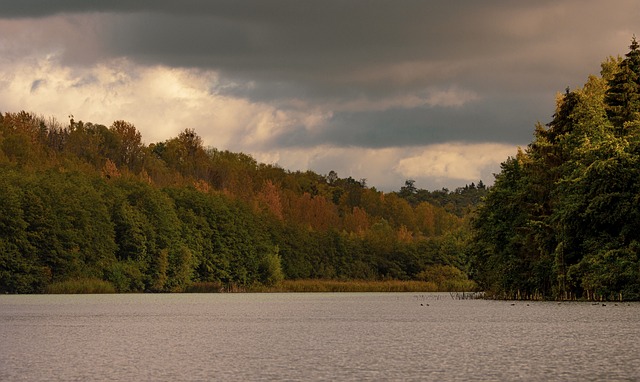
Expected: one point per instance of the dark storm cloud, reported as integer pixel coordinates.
(324, 48)
(42, 8)
(323, 45)
(495, 120)
(514, 55)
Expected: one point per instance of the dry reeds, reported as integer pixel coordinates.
(80, 286)
(323, 285)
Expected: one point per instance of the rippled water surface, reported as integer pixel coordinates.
(350, 336)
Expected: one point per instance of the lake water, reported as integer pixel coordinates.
(314, 337)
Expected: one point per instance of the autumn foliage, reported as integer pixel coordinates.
(85, 201)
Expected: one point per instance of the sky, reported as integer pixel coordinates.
(440, 92)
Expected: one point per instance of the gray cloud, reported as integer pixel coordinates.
(36, 84)
(496, 120)
(382, 73)
(338, 51)
(343, 49)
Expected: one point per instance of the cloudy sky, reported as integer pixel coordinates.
(436, 91)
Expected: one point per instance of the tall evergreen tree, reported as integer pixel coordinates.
(623, 96)
(561, 220)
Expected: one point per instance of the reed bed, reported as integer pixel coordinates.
(215, 287)
(205, 287)
(87, 286)
(80, 286)
(313, 285)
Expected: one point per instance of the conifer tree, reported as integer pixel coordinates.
(623, 96)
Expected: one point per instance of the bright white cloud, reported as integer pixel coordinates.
(459, 161)
(163, 101)
(432, 97)
(452, 97)
(432, 166)
(357, 162)
(160, 101)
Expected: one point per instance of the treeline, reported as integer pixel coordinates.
(90, 202)
(461, 202)
(563, 217)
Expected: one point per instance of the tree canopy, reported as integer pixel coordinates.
(562, 219)
(89, 201)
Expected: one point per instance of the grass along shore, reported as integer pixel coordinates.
(96, 286)
(324, 285)
(80, 286)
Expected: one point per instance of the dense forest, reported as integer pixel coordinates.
(562, 219)
(85, 201)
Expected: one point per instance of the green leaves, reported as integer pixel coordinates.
(562, 218)
(91, 202)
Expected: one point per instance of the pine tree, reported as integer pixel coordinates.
(623, 96)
